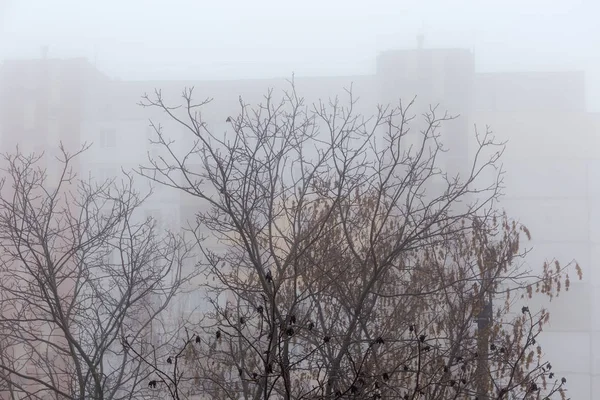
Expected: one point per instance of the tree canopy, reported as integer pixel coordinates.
(352, 263)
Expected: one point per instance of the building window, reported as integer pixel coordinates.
(107, 111)
(188, 215)
(106, 174)
(53, 112)
(108, 138)
(150, 136)
(55, 86)
(29, 116)
(160, 223)
(53, 133)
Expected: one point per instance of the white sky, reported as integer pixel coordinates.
(165, 39)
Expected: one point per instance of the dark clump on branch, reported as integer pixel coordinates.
(534, 387)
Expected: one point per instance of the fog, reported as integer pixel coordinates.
(157, 40)
(529, 70)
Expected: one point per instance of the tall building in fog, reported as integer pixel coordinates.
(42, 103)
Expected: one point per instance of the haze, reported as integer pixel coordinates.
(530, 70)
(155, 39)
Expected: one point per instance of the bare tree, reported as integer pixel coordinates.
(82, 274)
(354, 265)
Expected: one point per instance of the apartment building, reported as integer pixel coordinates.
(552, 183)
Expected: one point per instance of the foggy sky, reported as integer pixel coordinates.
(201, 39)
